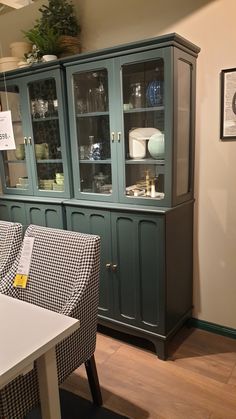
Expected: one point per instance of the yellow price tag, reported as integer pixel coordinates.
(20, 281)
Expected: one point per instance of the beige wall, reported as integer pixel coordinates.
(210, 25)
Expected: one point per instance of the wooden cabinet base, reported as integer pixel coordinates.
(160, 343)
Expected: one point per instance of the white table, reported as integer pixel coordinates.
(29, 333)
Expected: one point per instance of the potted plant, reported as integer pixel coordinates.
(59, 15)
(45, 42)
(56, 32)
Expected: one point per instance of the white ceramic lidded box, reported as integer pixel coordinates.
(138, 138)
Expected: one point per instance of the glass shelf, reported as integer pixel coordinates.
(14, 161)
(47, 118)
(51, 161)
(149, 109)
(108, 161)
(146, 161)
(83, 115)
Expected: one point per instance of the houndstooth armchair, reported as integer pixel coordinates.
(10, 242)
(63, 277)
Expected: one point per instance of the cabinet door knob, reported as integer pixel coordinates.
(118, 136)
(108, 266)
(29, 140)
(114, 268)
(112, 137)
(25, 140)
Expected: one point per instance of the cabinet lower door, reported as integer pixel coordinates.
(13, 211)
(92, 221)
(138, 275)
(44, 215)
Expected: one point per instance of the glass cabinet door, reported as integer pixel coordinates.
(91, 129)
(16, 176)
(46, 138)
(143, 108)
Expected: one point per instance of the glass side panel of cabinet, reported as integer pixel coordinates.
(183, 134)
(93, 131)
(46, 134)
(143, 114)
(15, 168)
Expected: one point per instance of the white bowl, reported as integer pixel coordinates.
(49, 57)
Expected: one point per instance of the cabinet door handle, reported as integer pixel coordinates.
(25, 140)
(118, 136)
(112, 137)
(114, 268)
(108, 266)
(29, 140)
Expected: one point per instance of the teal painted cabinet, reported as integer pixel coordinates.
(132, 122)
(48, 215)
(95, 221)
(40, 163)
(146, 268)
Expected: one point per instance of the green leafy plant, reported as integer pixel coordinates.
(59, 15)
(47, 42)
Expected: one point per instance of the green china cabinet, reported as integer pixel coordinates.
(132, 124)
(124, 170)
(39, 164)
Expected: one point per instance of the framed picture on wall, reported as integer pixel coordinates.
(228, 104)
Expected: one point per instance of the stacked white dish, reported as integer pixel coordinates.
(8, 63)
(23, 183)
(46, 184)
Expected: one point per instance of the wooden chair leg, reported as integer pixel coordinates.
(94, 385)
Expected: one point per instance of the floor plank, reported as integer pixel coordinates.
(197, 382)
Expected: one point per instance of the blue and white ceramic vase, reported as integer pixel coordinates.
(154, 93)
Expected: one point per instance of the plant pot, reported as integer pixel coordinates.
(19, 49)
(70, 45)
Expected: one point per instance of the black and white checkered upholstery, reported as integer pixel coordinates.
(10, 242)
(63, 277)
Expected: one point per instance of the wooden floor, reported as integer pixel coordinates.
(197, 382)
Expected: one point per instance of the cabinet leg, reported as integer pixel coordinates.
(161, 349)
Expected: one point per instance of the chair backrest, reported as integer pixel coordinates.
(10, 242)
(62, 264)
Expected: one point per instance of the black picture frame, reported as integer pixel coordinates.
(228, 104)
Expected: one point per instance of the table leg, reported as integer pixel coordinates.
(48, 385)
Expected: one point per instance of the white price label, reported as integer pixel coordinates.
(25, 258)
(7, 141)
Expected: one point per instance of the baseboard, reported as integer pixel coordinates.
(214, 328)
